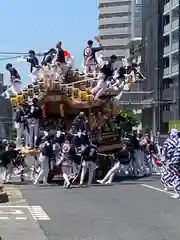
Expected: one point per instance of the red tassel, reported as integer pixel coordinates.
(66, 53)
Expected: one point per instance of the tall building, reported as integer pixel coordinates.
(171, 83)
(134, 44)
(152, 64)
(160, 57)
(135, 96)
(115, 26)
(136, 18)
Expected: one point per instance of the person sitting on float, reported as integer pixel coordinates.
(48, 57)
(106, 73)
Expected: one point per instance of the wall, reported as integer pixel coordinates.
(5, 113)
(151, 52)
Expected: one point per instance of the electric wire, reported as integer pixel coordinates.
(14, 43)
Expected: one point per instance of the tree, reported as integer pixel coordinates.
(130, 120)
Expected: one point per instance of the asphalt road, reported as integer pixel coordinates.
(138, 210)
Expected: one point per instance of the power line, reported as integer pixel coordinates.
(9, 58)
(14, 43)
(13, 53)
(19, 56)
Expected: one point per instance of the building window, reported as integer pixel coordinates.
(119, 25)
(167, 83)
(166, 62)
(115, 36)
(166, 86)
(112, 15)
(166, 20)
(167, 108)
(166, 41)
(138, 1)
(115, 47)
(114, 4)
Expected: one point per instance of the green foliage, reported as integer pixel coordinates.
(130, 120)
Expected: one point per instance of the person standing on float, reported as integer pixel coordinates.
(15, 78)
(90, 62)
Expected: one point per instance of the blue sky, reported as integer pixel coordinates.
(39, 24)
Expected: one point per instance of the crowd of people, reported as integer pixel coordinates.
(75, 151)
(56, 62)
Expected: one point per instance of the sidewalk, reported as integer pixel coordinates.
(17, 222)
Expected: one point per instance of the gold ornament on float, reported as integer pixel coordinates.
(82, 95)
(20, 99)
(14, 101)
(76, 93)
(89, 97)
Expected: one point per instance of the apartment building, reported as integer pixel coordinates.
(170, 82)
(160, 58)
(115, 26)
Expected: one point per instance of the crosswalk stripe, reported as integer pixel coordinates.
(38, 213)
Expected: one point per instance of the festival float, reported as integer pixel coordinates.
(62, 99)
(65, 100)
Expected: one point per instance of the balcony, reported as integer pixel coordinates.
(175, 24)
(166, 71)
(175, 69)
(112, 1)
(113, 31)
(114, 42)
(114, 20)
(167, 7)
(175, 46)
(115, 9)
(108, 53)
(166, 50)
(174, 3)
(167, 28)
(168, 94)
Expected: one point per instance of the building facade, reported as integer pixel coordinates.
(115, 26)
(6, 120)
(134, 44)
(160, 59)
(170, 82)
(152, 60)
(136, 18)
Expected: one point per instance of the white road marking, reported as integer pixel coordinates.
(39, 213)
(32, 213)
(4, 218)
(21, 218)
(14, 206)
(14, 212)
(36, 212)
(157, 189)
